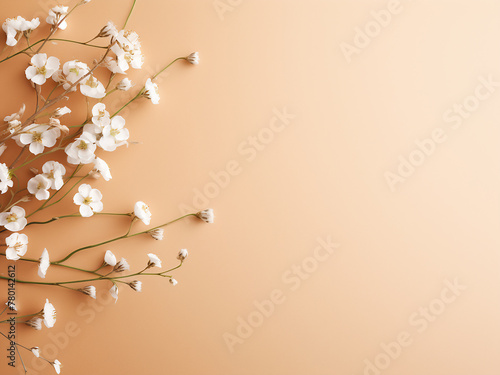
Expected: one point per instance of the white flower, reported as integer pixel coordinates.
(44, 264)
(109, 258)
(114, 292)
(121, 266)
(151, 91)
(206, 215)
(182, 254)
(112, 65)
(5, 178)
(49, 314)
(89, 291)
(14, 220)
(61, 111)
(39, 186)
(56, 14)
(141, 210)
(73, 71)
(35, 323)
(81, 151)
(102, 167)
(108, 30)
(157, 234)
(92, 88)
(39, 137)
(57, 365)
(17, 115)
(88, 199)
(11, 305)
(54, 172)
(41, 68)
(127, 49)
(136, 285)
(100, 116)
(124, 85)
(193, 58)
(113, 135)
(17, 245)
(154, 261)
(36, 351)
(173, 281)
(14, 27)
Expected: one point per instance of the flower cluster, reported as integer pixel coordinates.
(62, 155)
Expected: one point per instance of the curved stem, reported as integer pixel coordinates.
(127, 235)
(129, 14)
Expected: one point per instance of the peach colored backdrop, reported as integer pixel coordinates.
(369, 124)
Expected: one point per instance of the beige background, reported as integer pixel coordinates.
(322, 175)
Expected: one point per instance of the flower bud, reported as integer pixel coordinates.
(35, 323)
(136, 285)
(206, 215)
(182, 255)
(157, 234)
(121, 266)
(89, 291)
(193, 58)
(124, 85)
(173, 281)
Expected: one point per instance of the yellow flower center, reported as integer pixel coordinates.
(82, 145)
(42, 70)
(87, 200)
(11, 218)
(37, 137)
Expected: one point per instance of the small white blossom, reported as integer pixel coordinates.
(141, 210)
(127, 49)
(121, 266)
(109, 258)
(108, 30)
(89, 291)
(61, 111)
(39, 186)
(102, 167)
(100, 116)
(38, 137)
(54, 172)
(151, 91)
(44, 264)
(136, 285)
(14, 220)
(17, 115)
(124, 85)
(182, 254)
(73, 71)
(57, 365)
(17, 245)
(5, 178)
(206, 215)
(81, 151)
(11, 305)
(91, 87)
(173, 281)
(49, 314)
(113, 135)
(36, 351)
(56, 14)
(193, 58)
(35, 323)
(154, 261)
(41, 68)
(157, 234)
(88, 199)
(114, 292)
(15, 27)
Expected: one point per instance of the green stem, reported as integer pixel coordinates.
(127, 235)
(129, 14)
(161, 71)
